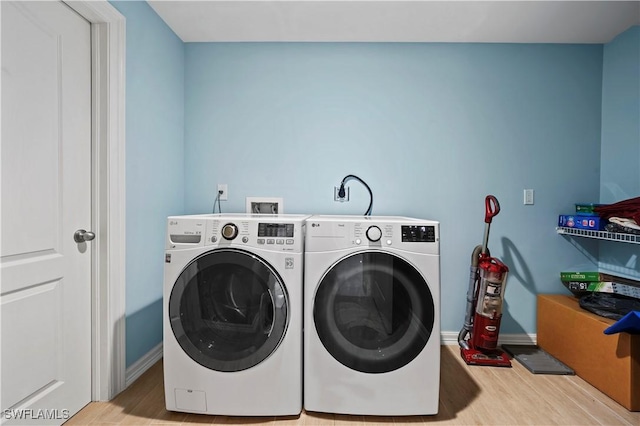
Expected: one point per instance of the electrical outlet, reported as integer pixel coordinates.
(337, 197)
(224, 195)
(528, 196)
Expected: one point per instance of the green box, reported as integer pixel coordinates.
(580, 276)
(587, 209)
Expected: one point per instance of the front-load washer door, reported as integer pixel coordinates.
(228, 310)
(373, 312)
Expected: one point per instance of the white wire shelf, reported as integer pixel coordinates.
(600, 235)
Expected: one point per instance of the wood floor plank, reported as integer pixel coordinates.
(377, 420)
(518, 390)
(591, 405)
(290, 420)
(88, 414)
(318, 419)
(490, 404)
(147, 409)
(627, 417)
(444, 417)
(232, 420)
(123, 403)
(469, 395)
(199, 419)
(164, 417)
(408, 420)
(458, 390)
(560, 410)
(346, 420)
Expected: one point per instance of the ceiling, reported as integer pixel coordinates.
(399, 21)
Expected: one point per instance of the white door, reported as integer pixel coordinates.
(45, 287)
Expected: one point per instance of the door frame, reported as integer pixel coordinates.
(108, 37)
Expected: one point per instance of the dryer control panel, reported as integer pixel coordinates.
(418, 234)
(382, 232)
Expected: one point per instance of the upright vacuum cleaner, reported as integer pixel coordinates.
(478, 338)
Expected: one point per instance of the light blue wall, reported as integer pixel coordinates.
(620, 159)
(154, 165)
(432, 128)
(620, 177)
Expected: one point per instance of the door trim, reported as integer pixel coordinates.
(108, 203)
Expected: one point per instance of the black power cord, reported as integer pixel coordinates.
(217, 200)
(341, 191)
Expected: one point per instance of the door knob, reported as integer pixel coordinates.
(80, 236)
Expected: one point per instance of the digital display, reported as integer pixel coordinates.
(419, 234)
(284, 230)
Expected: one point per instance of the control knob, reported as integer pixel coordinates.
(374, 233)
(229, 231)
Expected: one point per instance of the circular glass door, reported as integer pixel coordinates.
(228, 310)
(373, 312)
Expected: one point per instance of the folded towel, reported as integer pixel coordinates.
(623, 221)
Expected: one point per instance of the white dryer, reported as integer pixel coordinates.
(233, 314)
(372, 315)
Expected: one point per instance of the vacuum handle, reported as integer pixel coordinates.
(492, 208)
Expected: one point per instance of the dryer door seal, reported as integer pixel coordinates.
(229, 310)
(373, 312)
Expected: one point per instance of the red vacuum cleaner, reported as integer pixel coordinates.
(478, 338)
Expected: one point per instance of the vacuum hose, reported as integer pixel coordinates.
(471, 296)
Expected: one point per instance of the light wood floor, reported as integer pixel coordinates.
(468, 396)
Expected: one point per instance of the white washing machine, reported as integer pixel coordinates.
(233, 314)
(372, 315)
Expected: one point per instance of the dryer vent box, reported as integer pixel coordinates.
(262, 205)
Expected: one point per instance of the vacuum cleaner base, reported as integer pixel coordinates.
(495, 358)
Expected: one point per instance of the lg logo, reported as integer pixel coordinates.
(315, 225)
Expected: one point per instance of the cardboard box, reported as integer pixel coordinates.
(580, 288)
(581, 276)
(593, 223)
(587, 209)
(575, 336)
(580, 283)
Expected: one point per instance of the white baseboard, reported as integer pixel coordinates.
(451, 338)
(143, 364)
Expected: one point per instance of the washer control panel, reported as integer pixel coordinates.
(269, 234)
(276, 234)
(284, 233)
